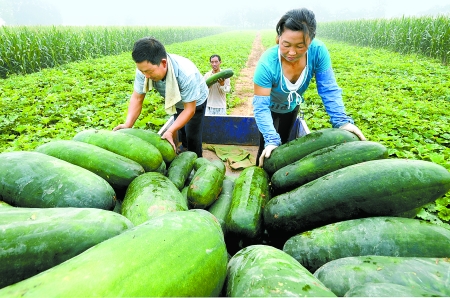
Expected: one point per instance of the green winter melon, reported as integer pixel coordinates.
(178, 254)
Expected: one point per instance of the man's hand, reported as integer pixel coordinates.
(168, 135)
(352, 128)
(266, 154)
(120, 126)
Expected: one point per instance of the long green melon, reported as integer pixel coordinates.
(200, 162)
(386, 289)
(205, 186)
(178, 254)
(264, 271)
(180, 168)
(222, 205)
(36, 239)
(428, 274)
(324, 161)
(151, 195)
(130, 146)
(250, 195)
(380, 235)
(164, 147)
(118, 170)
(223, 74)
(300, 147)
(162, 168)
(34, 179)
(372, 188)
(220, 165)
(203, 160)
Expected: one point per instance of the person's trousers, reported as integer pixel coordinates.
(283, 124)
(190, 135)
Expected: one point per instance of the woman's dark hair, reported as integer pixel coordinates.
(212, 56)
(148, 49)
(301, 19)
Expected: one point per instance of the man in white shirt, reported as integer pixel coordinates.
(217, 100)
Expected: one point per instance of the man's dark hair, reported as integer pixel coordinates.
(301, 19)
(215, 55)
(148, 49)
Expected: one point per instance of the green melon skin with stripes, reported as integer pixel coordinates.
(381, 187)
(298, 148)
(250, 195)
(220, 165)
(324, 161)
(37, 180)
(36, 239)
(386, 289)
(118, 170)
(178, 254)
(181, 167)
(265, 271)
(380, 235)
(205, 186)
(151, 195)
(223, 74)
(200, 162)
(222, 205)
(162, 168)
(421, 273)
(130, 146)
(164, 147)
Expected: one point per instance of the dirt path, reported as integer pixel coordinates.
(244, 84)
(244, 90)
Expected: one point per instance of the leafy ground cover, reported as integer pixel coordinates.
(57, 103)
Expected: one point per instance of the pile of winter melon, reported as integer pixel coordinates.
(118, 213)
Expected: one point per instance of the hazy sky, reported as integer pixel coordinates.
(202, 12)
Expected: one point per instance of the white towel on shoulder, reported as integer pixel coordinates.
(172, 91)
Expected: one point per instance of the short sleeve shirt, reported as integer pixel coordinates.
(190, 82)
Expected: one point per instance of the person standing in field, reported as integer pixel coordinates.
(179, 81)
(217, 98)
(283, 74)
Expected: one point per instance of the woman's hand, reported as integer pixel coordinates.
(266, 154)
(352, 128)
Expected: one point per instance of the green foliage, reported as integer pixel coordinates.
(27, 49)
(59, 102)
(401, 101)
(428, 36)
(268, 38)
(233, 48)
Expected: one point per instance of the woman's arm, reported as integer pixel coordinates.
(263, 116)
(331, 96)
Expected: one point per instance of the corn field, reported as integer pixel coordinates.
(428, 36)
(27, 49)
